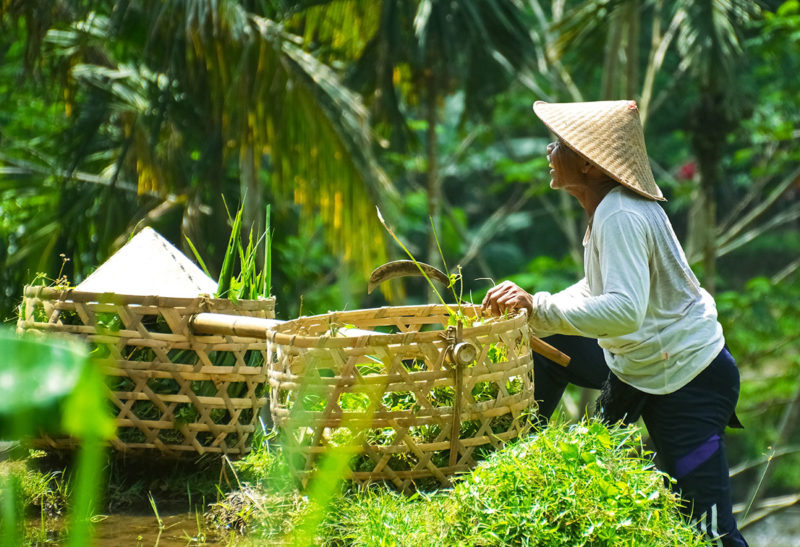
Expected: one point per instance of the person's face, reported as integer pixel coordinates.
(566, 167)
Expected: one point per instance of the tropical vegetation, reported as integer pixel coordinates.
(117, 115)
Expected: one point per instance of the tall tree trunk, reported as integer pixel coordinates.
(710, 125)
(706, 222)
(632, 50)
(695, 230)
(710, 185)
(610, 80)
(252, 195)
(434, 183)
(622, 81)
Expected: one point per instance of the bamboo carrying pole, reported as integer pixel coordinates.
(543, 348)
(256, 327)
(232, 325)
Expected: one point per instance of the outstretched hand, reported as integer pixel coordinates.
(507, 296)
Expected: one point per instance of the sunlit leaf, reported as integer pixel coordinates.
(85, 410)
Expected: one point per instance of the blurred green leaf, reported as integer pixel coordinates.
(37, 376)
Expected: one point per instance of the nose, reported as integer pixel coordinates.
(550, 149)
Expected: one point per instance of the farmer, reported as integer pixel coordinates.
(638, 325)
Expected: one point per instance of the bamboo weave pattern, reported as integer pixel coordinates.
(173, 391)
(398, 402)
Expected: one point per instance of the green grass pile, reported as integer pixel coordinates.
(579, 485)
(582, 484)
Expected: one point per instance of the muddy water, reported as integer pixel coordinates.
(779, 530)
(142, 530)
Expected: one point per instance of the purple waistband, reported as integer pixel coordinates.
(693, 460)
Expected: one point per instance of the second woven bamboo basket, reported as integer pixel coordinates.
(172, 390)
(408, 397)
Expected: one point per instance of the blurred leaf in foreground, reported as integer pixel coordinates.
(36, 377)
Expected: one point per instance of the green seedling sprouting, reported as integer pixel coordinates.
(250, 284)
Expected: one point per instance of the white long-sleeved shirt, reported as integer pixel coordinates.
(658, 328)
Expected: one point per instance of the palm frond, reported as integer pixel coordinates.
(708, 41)
(210, 73)
(344, 26)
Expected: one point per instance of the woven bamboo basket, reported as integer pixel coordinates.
(411, 399)
(173, 390)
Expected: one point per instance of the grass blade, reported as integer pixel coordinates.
(425, 275)
(234, 247)
(197, 256)
(267, 271)
(153, 506)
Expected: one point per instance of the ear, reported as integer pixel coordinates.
(587, 166)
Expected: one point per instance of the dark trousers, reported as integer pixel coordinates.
(687, 427)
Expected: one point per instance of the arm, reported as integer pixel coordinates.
(624, 269)
(578, 290)
(561, 299)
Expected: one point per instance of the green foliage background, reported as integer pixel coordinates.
(115, 115)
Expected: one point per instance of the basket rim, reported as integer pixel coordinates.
(276, 334)
(53, 293)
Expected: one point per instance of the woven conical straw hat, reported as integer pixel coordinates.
(608, 134)
(148, 265)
